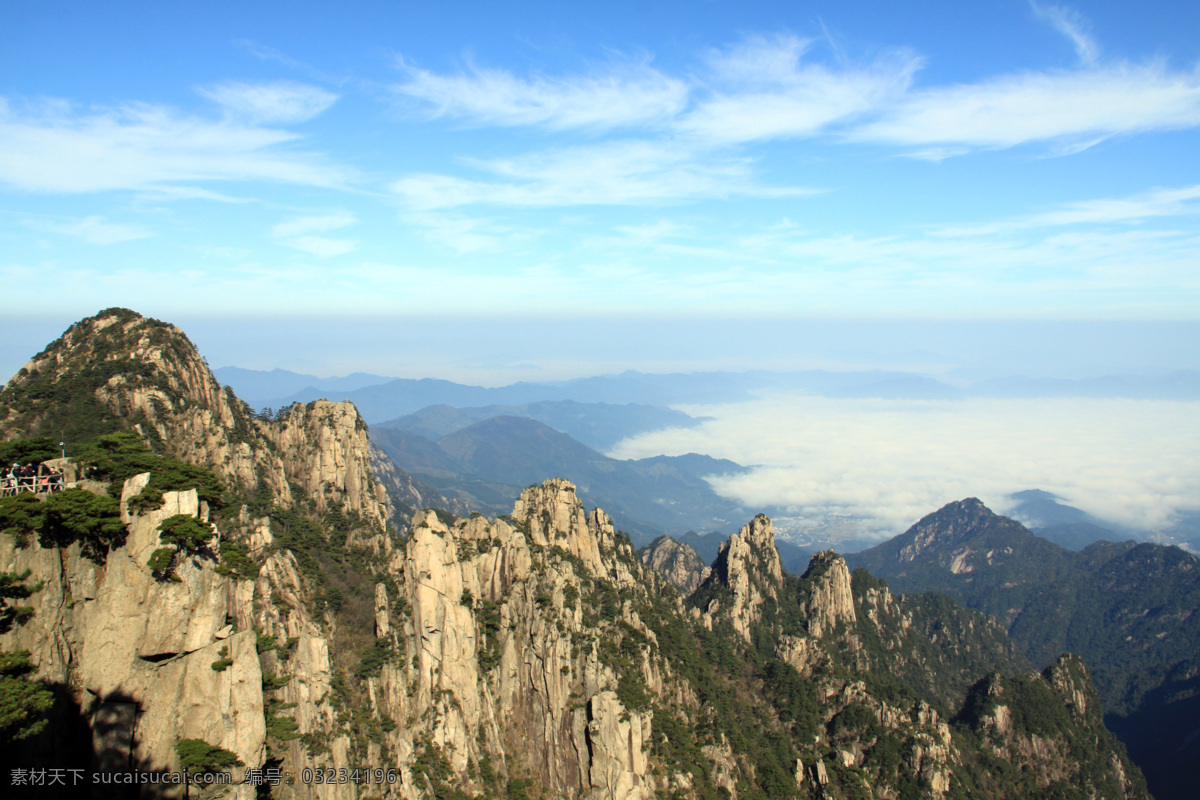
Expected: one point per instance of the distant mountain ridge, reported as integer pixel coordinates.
(388, 398)
(598, 425)
(504, 454)
(1132, 611)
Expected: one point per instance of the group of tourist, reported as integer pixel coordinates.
(28, 478)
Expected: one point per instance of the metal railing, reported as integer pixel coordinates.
(11, 485)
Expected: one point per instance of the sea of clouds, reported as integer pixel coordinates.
(890, 462)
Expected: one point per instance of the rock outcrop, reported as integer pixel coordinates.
(745, 575)
(830, 600)
(139, 652)
(677, 562)
(147, 376)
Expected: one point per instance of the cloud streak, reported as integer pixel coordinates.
(279, 102)
(299, 233)
(638, 172)
(629, 94)
(764, 90)
(1084, 105)
(94, 229)
(1071, 24)
(54, 147)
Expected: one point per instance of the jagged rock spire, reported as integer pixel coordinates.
(830, 600)
(748, 567)
(555, 516)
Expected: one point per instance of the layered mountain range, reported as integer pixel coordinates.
(486, 464)
(1130, 610)
(236, 593)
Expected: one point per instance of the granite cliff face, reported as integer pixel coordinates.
(529, 654)
(137, 652)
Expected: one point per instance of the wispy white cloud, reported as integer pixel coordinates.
(627, 94)
(694, 128)
(279, 102)
(764, 90)
(652, 232)
(1071, 24)
(94, 229)
(314, 224)
(1080, 106)
(322, 246)
(1159, 202)
(298, 234)
(465, 234)
(611, 173)
(56, 147)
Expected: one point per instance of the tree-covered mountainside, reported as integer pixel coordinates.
(253, 613)
(1129, 610)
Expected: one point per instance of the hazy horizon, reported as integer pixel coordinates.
(496, 352)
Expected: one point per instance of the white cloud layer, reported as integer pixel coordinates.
(892, 462)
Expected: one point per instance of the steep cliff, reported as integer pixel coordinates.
(746, 576)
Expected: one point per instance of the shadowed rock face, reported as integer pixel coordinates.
(677, 562)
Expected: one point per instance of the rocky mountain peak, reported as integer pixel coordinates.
(117, 364)
(751, 549)
(677, 562)
(120, 371)
(555, 517)
(830, 598)
(746, 572)
(961, 537)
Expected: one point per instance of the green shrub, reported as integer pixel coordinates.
(224, 662)
(13, 587)
(197, 755)
(24, 703)
(72, 515)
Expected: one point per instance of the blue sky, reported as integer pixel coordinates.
(555, 164)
